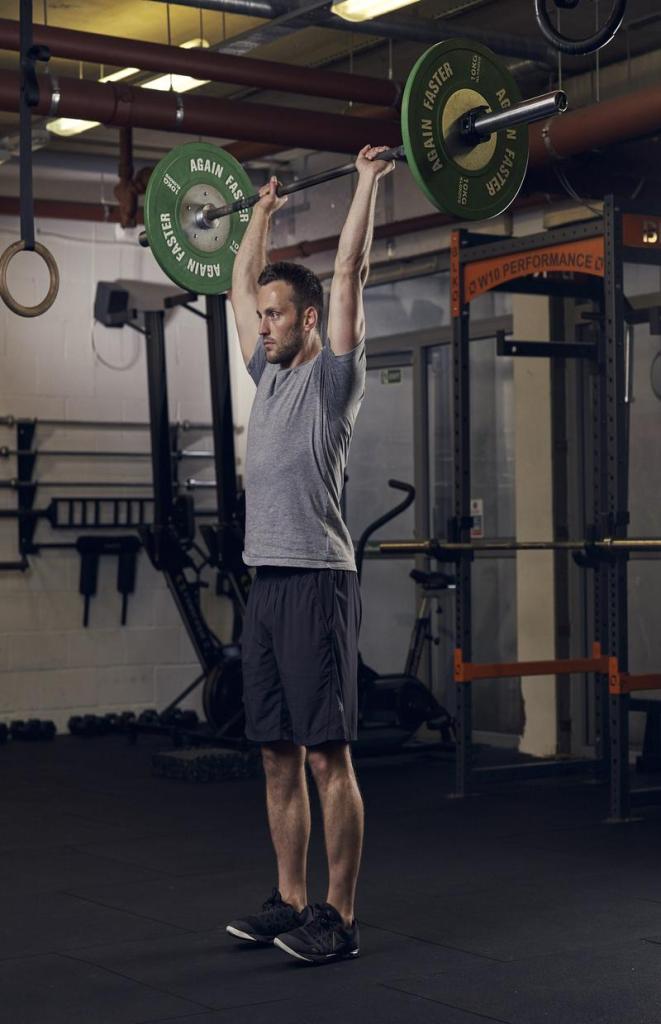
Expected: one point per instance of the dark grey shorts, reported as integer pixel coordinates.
(299, 651)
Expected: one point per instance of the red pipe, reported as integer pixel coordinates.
(218, 67)
(119, 104)
(64, 210)
(625, 117)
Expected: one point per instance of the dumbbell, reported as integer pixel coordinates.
(148, 717)
(126, 720)
(87, 725)
(33, 730)
(181, 719)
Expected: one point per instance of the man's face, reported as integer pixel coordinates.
(280, 326)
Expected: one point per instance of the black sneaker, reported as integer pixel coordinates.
(276, 917)
(321, 939)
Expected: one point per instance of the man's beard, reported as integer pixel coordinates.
(284, 351)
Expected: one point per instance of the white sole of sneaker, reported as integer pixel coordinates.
(309, 960)
(243, 935)
(292, 952)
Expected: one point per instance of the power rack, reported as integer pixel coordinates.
(596, 251)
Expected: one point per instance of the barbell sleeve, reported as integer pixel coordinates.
(480, 123)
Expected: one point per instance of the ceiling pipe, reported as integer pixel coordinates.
(246, 151)
(119, 104)
(620, 119)
(634, 115)
(101, 212)
(63, 209)
(205, 64)
(417, 30)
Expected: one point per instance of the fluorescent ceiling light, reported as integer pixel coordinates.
(68, 126)
(117, 76)
(362, 10)
(176, 83)
(179, 83)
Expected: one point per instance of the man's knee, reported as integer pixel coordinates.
(282, 760)
(330, 760)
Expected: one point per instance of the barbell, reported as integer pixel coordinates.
(441, 549)
(465, 141)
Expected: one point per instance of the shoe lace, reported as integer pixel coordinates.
(274, 901)
(321, 921)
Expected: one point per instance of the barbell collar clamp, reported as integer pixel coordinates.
(480, 123)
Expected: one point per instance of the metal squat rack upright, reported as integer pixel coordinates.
(627, 232)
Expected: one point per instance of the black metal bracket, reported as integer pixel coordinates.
(90, 549)
(28, 67)
(25, 431)
(545, 349)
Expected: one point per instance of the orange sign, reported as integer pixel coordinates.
(641, 231)
(585, 256)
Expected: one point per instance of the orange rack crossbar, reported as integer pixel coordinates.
(619, 683)
(625, 683)
(466, 672)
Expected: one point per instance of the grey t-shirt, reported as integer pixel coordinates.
(298, 442)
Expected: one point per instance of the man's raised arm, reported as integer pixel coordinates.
(346, 318)
(248, 265)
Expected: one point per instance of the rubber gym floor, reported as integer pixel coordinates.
(518, 905)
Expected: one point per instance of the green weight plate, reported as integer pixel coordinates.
(188, 178)
(471, 182)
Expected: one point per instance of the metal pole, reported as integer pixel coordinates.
(221, 408)
(479, 123)
(205, 217)
(436, 548)
(50, 453)
(461, 528)
(614, 470)
(159, 422)
(12, 421)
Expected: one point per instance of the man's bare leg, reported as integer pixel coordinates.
(344, 817)
(288, 806)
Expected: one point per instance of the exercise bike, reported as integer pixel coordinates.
(392, 707)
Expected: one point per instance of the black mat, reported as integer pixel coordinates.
(221, 972)
(369, 1006)
(611, 985)
(517, 905)
(58, 990)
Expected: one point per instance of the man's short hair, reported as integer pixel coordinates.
(305, 285)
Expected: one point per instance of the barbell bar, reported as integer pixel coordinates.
(475, 127)
(465, 141)
(6, 453)
(435, 548)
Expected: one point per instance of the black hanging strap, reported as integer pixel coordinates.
(29, 98)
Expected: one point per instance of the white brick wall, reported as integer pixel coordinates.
(50, 666)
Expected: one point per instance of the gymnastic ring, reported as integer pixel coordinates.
(53, 286)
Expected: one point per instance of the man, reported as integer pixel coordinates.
(300, 636)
